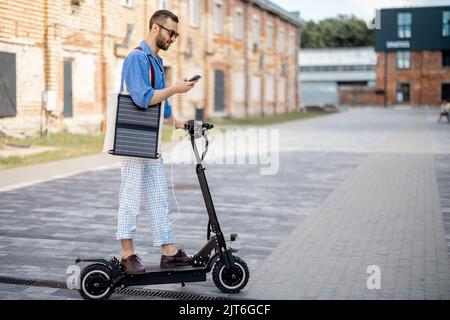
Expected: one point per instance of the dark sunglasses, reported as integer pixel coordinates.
(171, 32)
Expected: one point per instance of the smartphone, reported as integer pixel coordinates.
(196, 77)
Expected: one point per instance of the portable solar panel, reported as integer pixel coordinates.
(138, 131)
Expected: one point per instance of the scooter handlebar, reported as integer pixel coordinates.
(191, 124)
(207, 126)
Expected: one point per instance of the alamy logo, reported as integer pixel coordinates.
(374, 280)
(73, 280)
(235, 147)
(376, 22)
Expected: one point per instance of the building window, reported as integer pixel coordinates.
(75, 6)
(8, 85)
(269, 37)
(445, 91)
(218, 18)
(338, 68)
(402, 92)
(164, 4)
(446, 58)
(256, 88)
(446, 23)
(281, 41)
(256, 31)
(126, 3)
(283, 71)
(403, 59)
(193, 13)
(219, 91)
(238, 25)
(404, 25)
(292, 44)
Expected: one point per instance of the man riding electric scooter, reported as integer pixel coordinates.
(144, 180)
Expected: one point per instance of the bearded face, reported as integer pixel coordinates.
(166, 29)
(163, 41)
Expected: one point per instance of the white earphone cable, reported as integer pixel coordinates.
(172, 182)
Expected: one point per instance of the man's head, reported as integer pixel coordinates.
(164, 27)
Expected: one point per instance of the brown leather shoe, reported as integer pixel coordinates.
(179, 259)
(132, 265)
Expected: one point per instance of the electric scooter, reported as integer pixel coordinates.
(230, 273)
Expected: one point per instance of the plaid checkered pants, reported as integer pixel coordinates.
(144, 182)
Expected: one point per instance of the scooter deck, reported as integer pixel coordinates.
(158, 275)
(154, 268)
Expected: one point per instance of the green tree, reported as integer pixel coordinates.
(341, 31)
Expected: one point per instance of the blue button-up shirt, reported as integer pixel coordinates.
(135, 71)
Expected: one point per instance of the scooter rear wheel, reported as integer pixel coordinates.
(231, 281)
(95, 282)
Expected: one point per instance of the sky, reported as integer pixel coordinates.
(364, 9)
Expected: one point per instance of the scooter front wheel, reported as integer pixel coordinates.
(231, 280)
(96, 282)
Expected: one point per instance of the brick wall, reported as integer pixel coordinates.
(425, 77)
(351, 96)
(22, 33)
(45, 33)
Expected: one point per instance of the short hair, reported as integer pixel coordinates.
(161, 16)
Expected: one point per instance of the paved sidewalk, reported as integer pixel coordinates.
(356, 189)
(30, 175)
(387, 213)
(25, 176)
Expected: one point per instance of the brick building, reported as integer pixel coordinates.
(413, 51)
(60, 59)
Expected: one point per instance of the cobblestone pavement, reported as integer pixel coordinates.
(354, 189)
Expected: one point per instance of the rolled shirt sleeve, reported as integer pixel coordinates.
(167, 109)
(137, 80)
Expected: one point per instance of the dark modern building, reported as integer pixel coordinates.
(413, 55)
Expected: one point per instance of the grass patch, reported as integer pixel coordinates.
(167, 133)
(265, 121)
(75, 145)
(68, 146)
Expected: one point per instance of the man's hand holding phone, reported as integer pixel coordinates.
(184, 85)
(194, 78)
